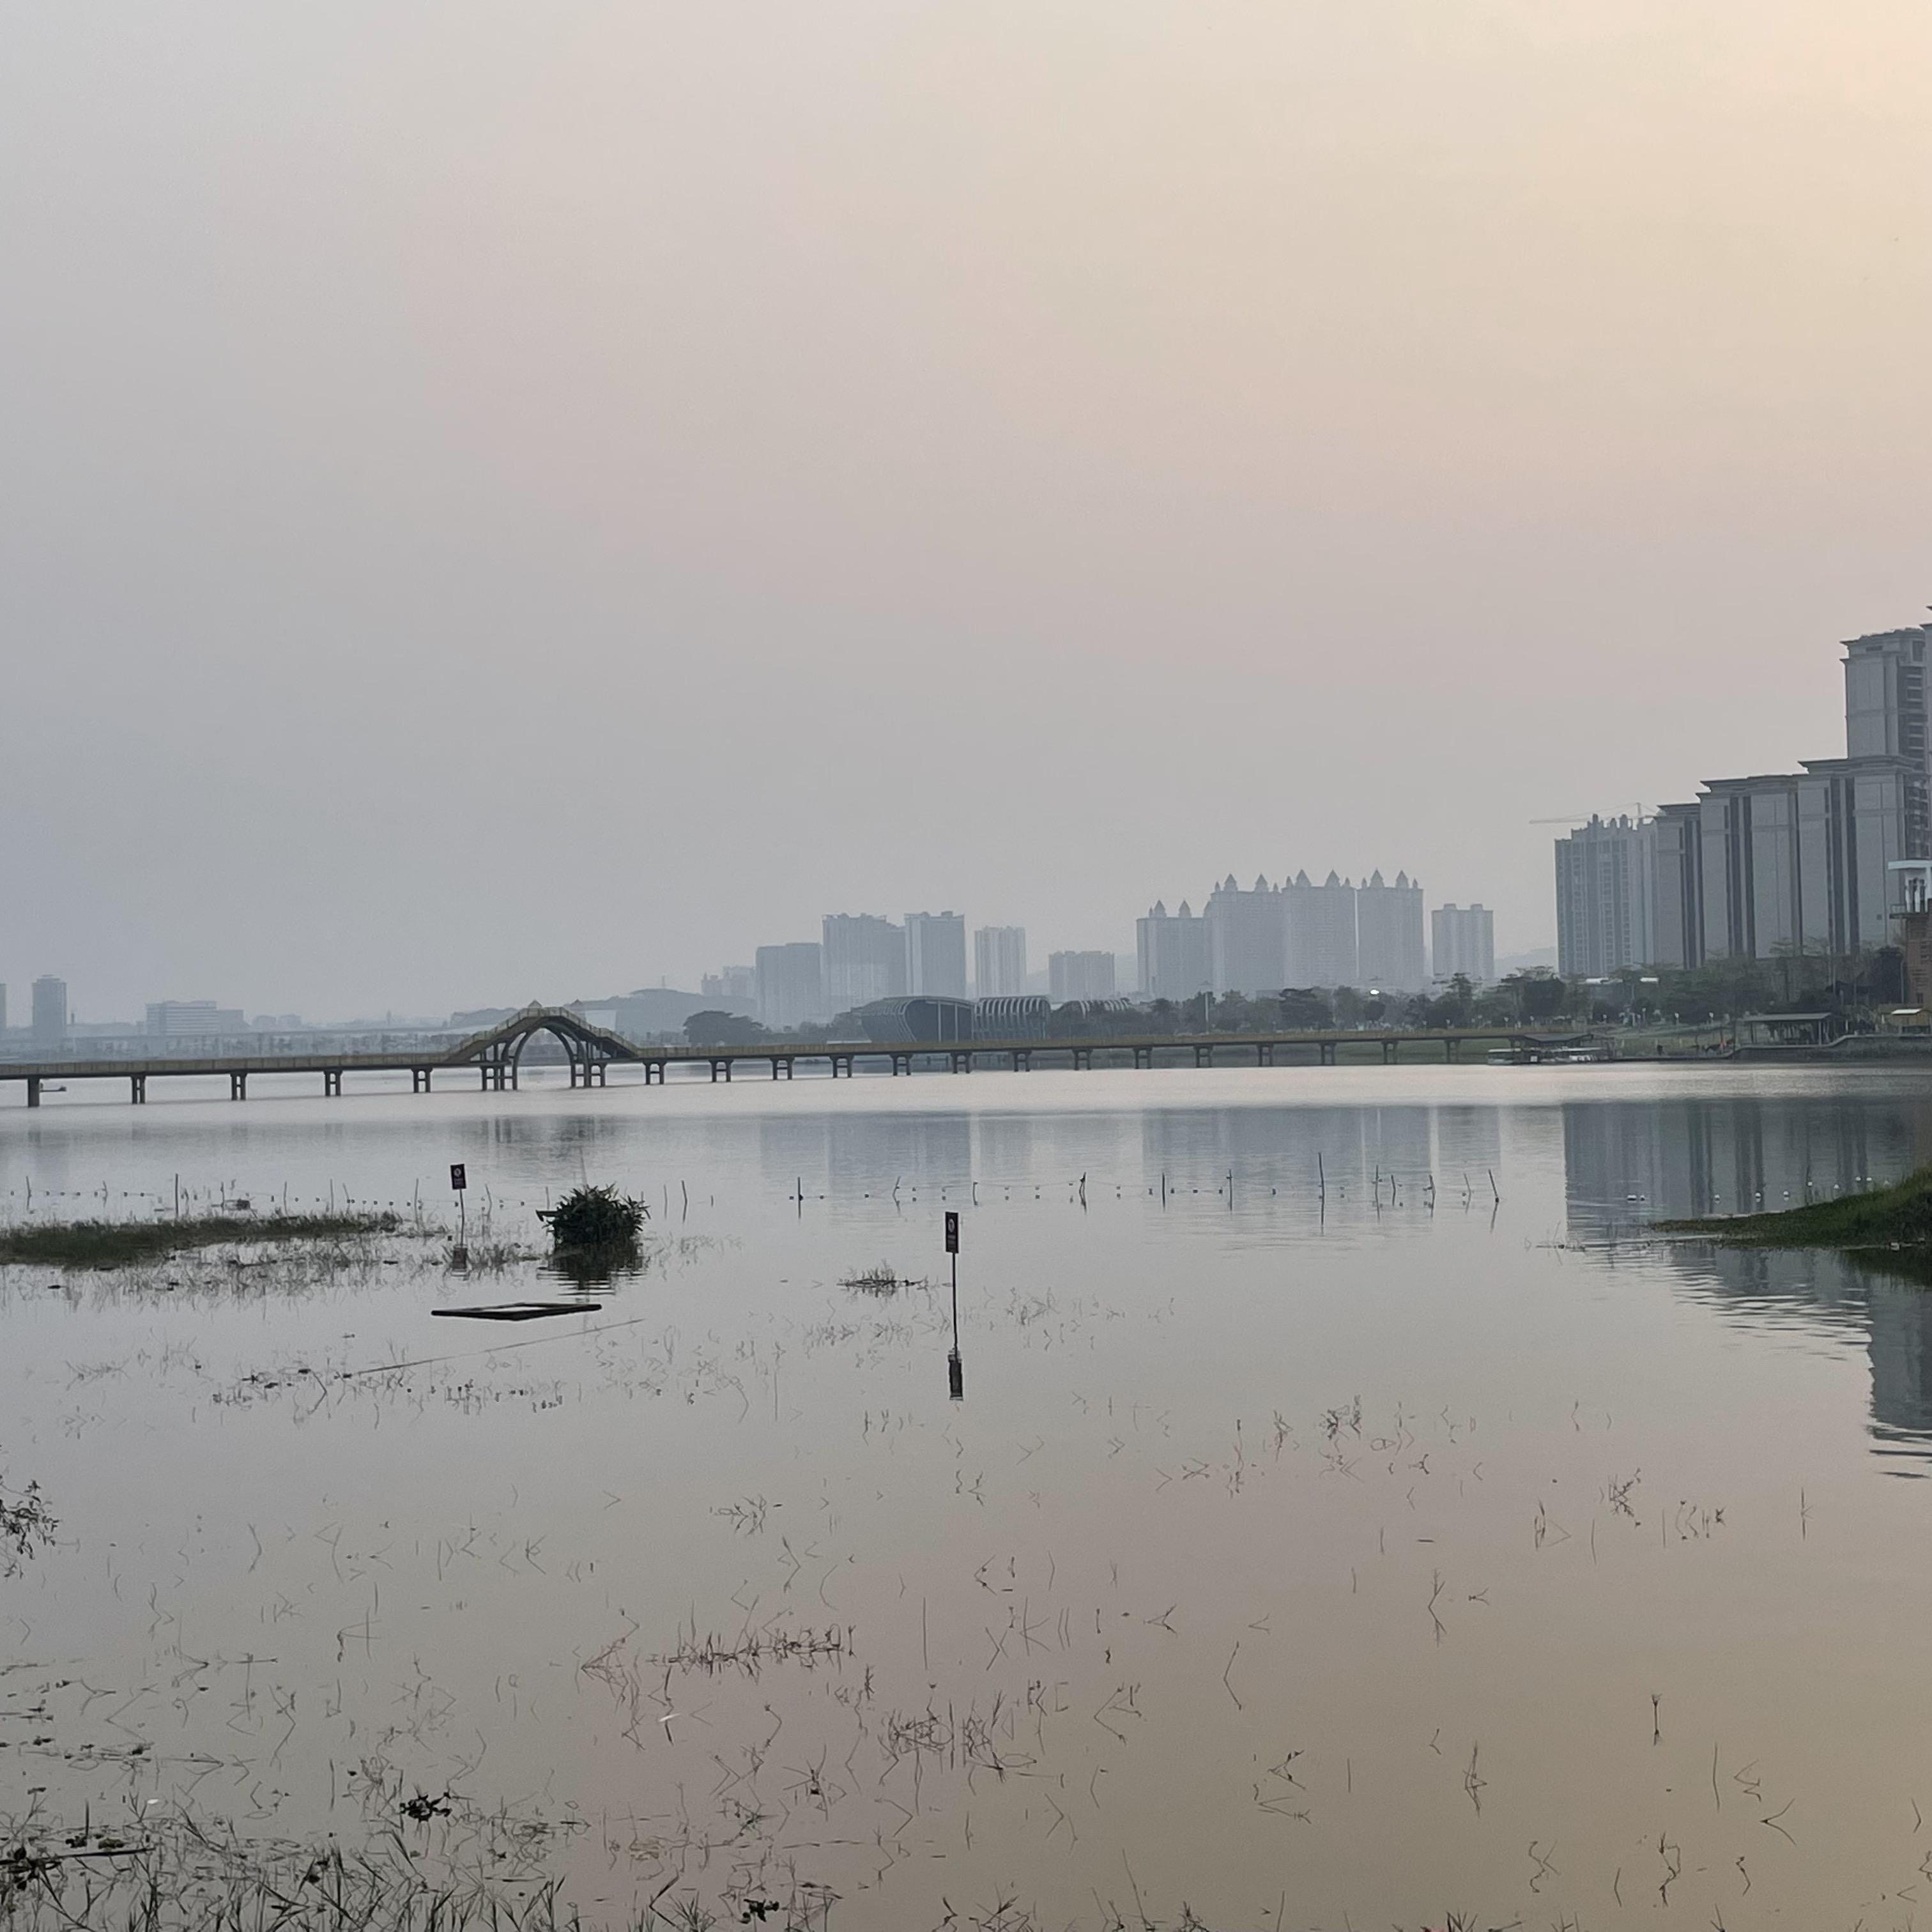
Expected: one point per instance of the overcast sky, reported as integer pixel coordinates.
(508, 501)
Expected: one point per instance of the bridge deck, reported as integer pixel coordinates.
(588, 1046)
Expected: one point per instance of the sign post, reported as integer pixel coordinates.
(459, 1181)
(955, 1373)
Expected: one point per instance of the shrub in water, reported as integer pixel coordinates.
(591, 1218)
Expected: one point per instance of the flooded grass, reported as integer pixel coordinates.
(116, 1244)
(184, 1875)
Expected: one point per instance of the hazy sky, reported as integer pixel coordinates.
(508, 501)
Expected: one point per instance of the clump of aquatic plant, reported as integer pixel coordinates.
(880, 1279)
(25, 1523)
(594, 1221)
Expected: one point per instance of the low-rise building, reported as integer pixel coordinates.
(191, 1019)
(731, 987)
(1079, 975)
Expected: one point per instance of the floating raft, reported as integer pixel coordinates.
(521, 1311)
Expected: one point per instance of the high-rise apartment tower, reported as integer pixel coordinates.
(1463, 939)
(50, 1010)
(936, 953)
(999, 961)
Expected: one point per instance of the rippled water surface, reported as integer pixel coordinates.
(1351, 1516)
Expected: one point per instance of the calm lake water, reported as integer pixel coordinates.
(1294, 1559)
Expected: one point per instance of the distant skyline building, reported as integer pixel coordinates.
(1775, 865)
(1247, 938)
(865, 959)
(936, 954)
(1079, 975)
(50, 1010)
(1885, 717)
(1606, 897)
(194, 1019)
(1463, 939)
(999, 961)
(1320, 945)
(1677, 888)
(1175, 958)
(1797, 865)
(791, 985)
(1388, 934)
(731, 986)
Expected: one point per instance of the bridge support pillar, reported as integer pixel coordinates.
(332, 1083)
(1388, 1052)
(1452, 1050)
(138, 1086)
(1264, 1054)
(1023, 1061)
(720, 1069)
(1143, 1059)
(654, 1073)
(960, 1059)
(238, 1086)
(33, 1089)
(1326, 1048)
(1083, 1060)
(1204, 1056)
(902, 1063)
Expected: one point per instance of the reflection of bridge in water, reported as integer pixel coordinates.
(497, 1055)
(1628, 1164)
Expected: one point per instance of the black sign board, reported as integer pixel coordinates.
(457, 1180)
(952, 1233)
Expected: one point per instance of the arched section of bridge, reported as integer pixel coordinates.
(498, 1052)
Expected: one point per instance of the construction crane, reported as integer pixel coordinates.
(1584, 817)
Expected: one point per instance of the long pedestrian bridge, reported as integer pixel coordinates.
(495, 1055)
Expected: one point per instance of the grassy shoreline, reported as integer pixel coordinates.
(111, 1244)
(1900, 1216)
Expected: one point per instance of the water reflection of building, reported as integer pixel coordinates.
(844, 1156)
(1627, 1165)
